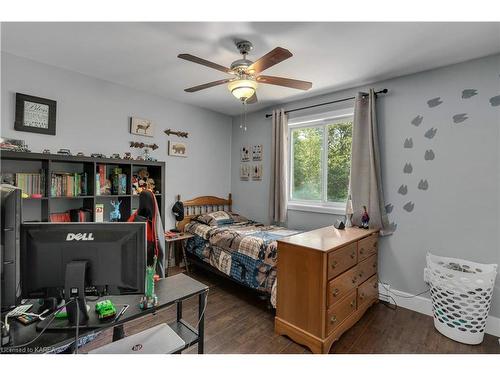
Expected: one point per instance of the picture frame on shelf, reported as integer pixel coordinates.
(178, 149)
(35, 114)
(141, 126)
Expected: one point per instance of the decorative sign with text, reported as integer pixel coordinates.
(34, 114)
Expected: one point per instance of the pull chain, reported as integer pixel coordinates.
(241, 116)
(245, 114)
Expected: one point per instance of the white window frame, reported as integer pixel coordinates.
(320, 120)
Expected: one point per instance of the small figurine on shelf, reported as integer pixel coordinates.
(115, 215)
(365, 219)
(127, 156)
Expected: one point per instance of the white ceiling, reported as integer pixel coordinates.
(331, 55)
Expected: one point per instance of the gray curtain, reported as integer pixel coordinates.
(366, 181)
(279, 154)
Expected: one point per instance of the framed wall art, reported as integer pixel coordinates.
(257, 172)
(177, 149)
(245, 170)
(141, 126)
(257, 152)
(245, 153)
(35, 114)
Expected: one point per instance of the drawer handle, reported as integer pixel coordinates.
(374, 264)
(353, 254)
(375, 285)
(336, 292)
(362, 251)
(361, 274)
(353, 303)
(333, 319)
(354, 279)
(361, 296)
(375, 244)
(334, 263)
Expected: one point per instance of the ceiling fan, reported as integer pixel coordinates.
(246, 73)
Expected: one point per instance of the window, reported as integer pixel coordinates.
(320, 161)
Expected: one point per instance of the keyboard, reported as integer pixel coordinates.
(19, 310)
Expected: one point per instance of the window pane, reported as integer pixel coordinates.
(307, 144)
(339, 160)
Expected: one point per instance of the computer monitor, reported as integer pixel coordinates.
(77, 257)
(10, 203)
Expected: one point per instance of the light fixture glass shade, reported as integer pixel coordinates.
(242, 89)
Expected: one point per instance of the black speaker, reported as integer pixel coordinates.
(9, 260)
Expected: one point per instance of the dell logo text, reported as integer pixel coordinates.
(80, 237)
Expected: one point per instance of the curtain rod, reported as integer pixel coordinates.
(384, 91)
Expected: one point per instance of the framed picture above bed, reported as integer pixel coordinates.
(245, 153)
(257, 152)
(35, 114)
(257, 172)
(245, 170)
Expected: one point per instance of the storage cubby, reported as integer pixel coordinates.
(40, 209)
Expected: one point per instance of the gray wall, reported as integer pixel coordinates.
(93, 116)
(458, 215)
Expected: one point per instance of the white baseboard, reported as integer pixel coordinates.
(423, 305)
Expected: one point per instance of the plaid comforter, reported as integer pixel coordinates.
(247, 252)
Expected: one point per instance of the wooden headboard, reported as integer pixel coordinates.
(202, 205)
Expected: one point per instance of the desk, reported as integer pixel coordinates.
(171, 290)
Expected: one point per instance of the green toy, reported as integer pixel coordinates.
(105, 309)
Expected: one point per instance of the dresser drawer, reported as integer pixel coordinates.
(339, 287)
(368, 291)
(340, 311)
(367, 268)
(342, 259)
(367, 247)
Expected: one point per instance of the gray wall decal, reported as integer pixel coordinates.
(409, 206)
(408, 168)
(388, 208)
(403, 190)
(461, 117)
(429, 155)
(434, 102)
(408, 143)
(468, 93)
(417, 120)
(423, 185)
(495, 101)
(430, 133)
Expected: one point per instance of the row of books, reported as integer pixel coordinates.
(115, 184)
(31, 183)
(68, 184)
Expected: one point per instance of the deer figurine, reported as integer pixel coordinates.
(115, 215)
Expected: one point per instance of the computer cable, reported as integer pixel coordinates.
(401, 296)
(77, 333)
(42, 331)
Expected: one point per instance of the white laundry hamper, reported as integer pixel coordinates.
(461, 293)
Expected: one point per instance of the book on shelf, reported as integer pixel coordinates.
(32, 184)
(68, 184)
(99, 213)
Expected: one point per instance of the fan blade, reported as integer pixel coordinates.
(274, 57)
(287, 82)
(207, 85)
(199, 60)
(252, 99)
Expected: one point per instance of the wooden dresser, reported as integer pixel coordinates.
(327, 279)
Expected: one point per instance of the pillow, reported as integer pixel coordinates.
(215, 219)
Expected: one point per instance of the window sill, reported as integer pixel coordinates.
(319, 208)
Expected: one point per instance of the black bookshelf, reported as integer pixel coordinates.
(40, 209)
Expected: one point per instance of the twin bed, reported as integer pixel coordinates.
(232, 245)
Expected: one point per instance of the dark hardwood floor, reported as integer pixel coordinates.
(238, 321)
